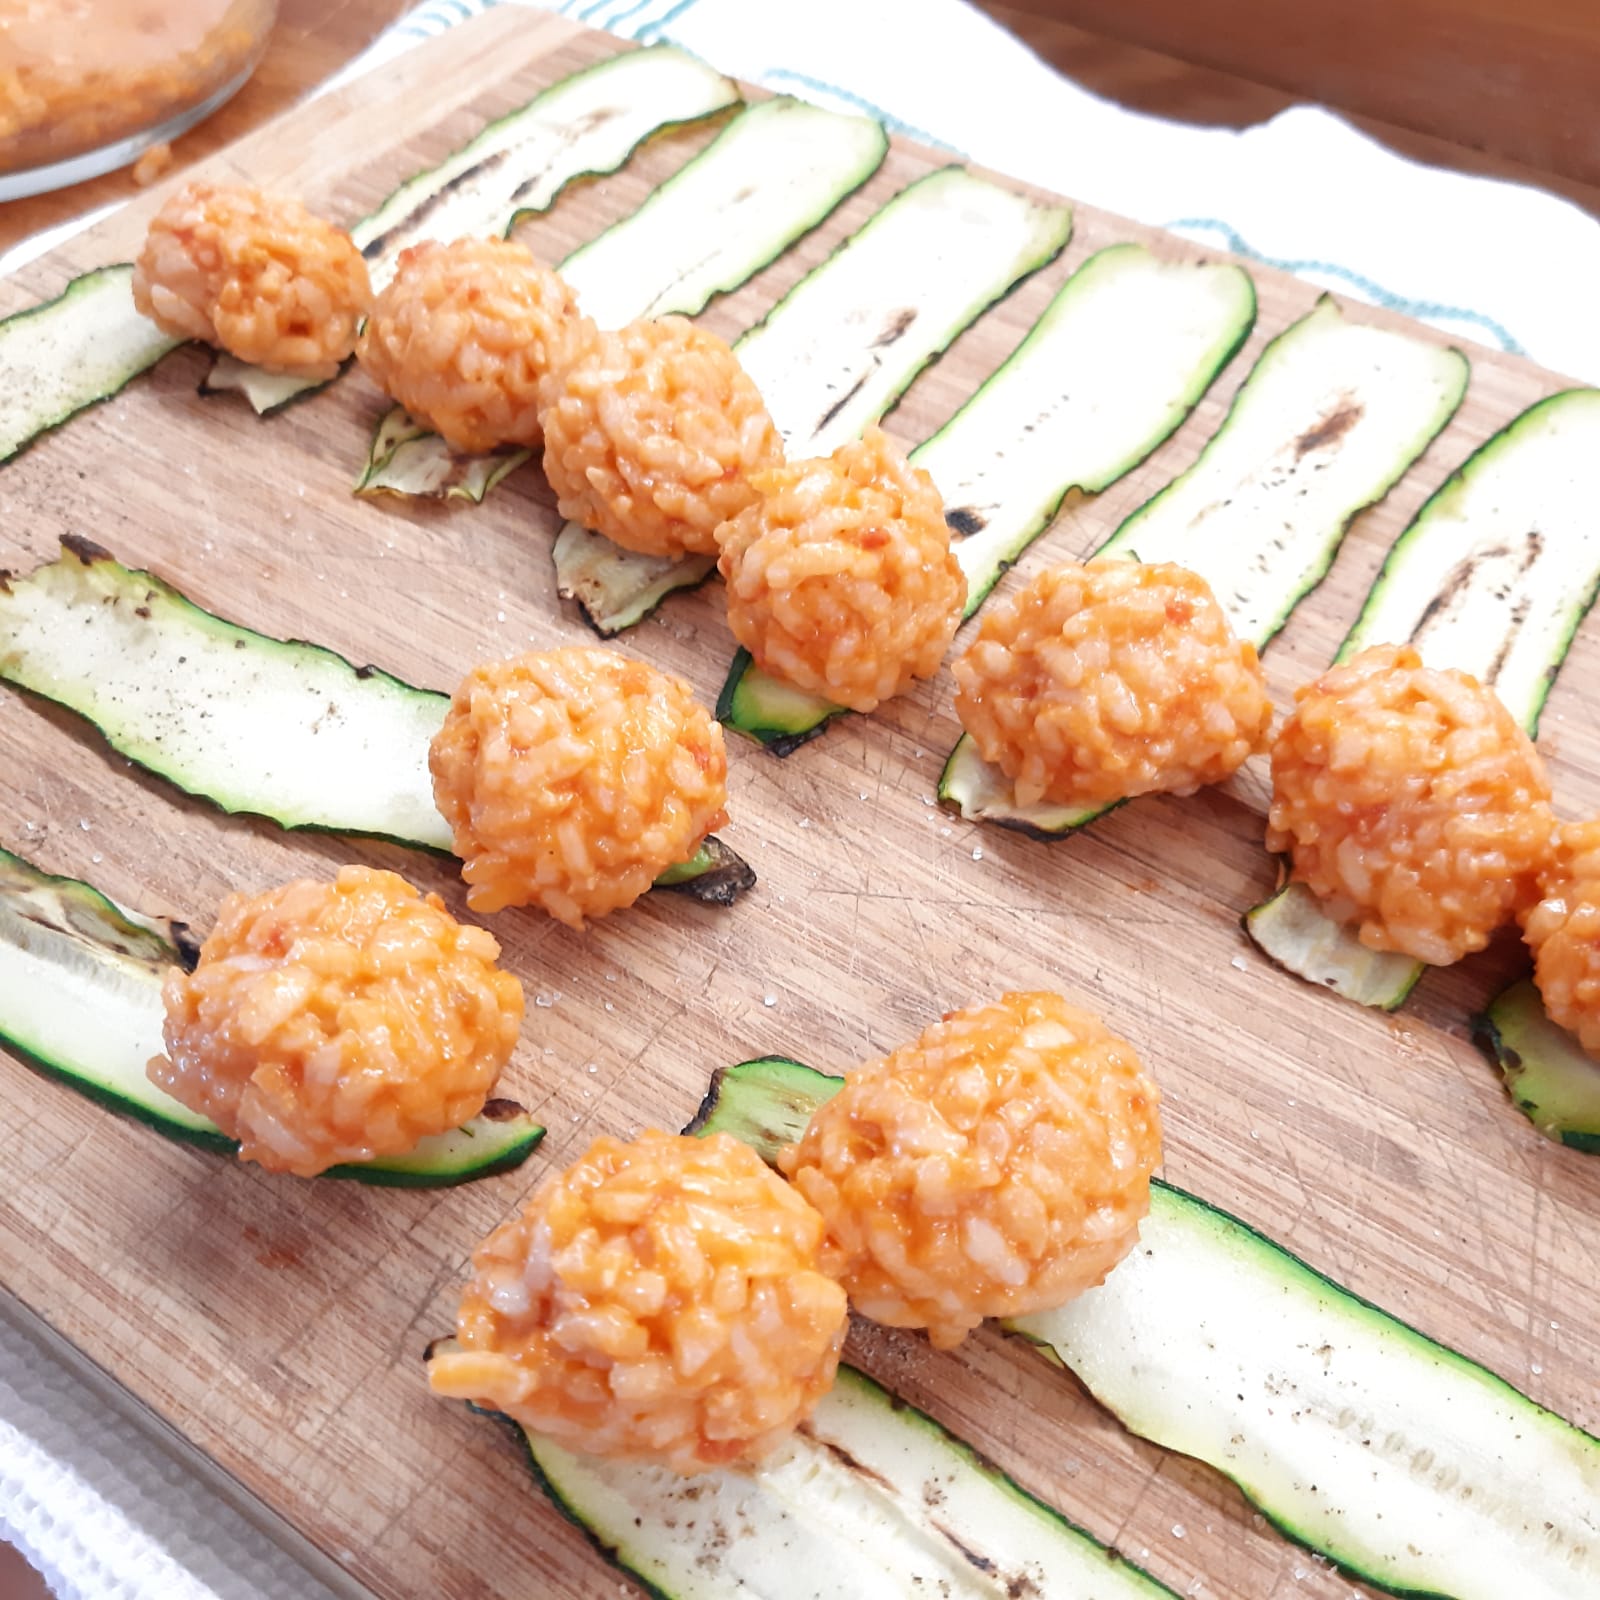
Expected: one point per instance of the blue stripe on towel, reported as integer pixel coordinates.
(1423, 310)
(850, 98)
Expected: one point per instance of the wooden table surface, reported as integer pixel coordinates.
(1154, 55)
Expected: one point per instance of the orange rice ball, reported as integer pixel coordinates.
(659, 1301)
(258, 275)
(651, 435)
(1563, 931)
(1096, 683)
(335, 1022)
(1000, 1165)
(573, 778)
(1411, 804)
(462, 335)
(840, 578)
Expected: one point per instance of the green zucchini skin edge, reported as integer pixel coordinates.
(859, 181)
(783, 1093)
(1508, 1031)
(716, 875)
(84, 283)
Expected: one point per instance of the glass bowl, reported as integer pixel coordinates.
(87, 86)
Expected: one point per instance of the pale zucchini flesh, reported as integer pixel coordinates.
(80, 998)
(276, 728)
(68, 353)
(1409, 1466)
(771, 175)
(589, 123)
(1119, 358)
(978, 792)
(1552, 1080)
(843, 345)
(1329, 420)
(869, 1499)
(1493, 577)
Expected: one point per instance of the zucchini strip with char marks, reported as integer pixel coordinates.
(1116, 362)
(843, 345)
(586, 125)
(281, 729)
(776, 171)
(1494, 576)
(871, 1497)
(80, 998)
(1330, 419)
(1404, 1463)
(60, 357)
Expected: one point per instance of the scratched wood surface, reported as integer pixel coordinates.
(280, 1325)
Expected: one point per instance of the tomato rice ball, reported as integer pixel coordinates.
(1092, 684)
(337, 1022)
(840, 577)
(1411, 804)
(573, 778)
(462, 335)
(651, 435)
(1563, 931)
(999, 1165)
(257, 275)
(660, 1301)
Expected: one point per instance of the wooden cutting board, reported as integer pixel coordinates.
(280, 1325)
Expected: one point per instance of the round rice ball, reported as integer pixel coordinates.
(462, 335)
(651, 435)
(572, 779)
(998, 1166)
(255, 274)
(337, 1022)
(840, 577)
(658, 1301)
(1411, 804)
(1092, 684)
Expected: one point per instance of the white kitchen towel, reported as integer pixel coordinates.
(1509, 266)
(104, 1510)
(101, 1511)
